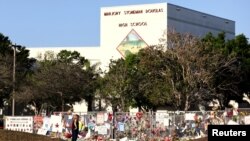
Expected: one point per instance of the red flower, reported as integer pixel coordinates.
(139, 115)
(68, 135)
(167, 139)
(99, 138)
(230, 113)
(196, 117)
(110, 116)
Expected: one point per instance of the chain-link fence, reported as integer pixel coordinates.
(133, 126)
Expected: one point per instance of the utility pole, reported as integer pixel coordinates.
(14, 80)
(62, 101)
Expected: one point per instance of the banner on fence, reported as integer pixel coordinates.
(56, 123)
(19, 123)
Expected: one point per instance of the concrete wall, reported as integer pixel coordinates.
(185, 20)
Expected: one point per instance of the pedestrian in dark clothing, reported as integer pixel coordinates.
(75, 127)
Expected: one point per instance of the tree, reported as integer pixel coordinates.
(231, 78)
(5, 78)
(149, 85)
(58, 81)
(211, 67)
(23, 67)
(195, 67)
(139, 80)
(91, 74)
(190, 69)
(114, 85)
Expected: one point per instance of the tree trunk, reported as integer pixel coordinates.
(90, 104)
(123, 109)
(100, 104)
(187, 104)
(139, 107)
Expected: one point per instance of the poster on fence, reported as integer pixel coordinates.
(19, 123)
(56, 123)
(100, 118)
(162, 118)
(67, 123)
(231, 122)
(121, 126)
(46, 123)
(102, 130)
(247, 120)
(166, 121)
(189, 116)
(42, 131)
(38, 122)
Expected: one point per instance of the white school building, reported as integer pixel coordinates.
(127, 29)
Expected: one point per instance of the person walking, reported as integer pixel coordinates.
(75, 127)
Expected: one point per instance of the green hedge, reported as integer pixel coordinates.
(6, 135)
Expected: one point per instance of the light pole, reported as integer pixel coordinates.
(61, 94)
(14, 80)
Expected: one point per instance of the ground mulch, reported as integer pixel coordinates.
(6, 135)
(201, 139)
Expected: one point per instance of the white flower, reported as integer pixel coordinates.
(234, 104)
(246, 98)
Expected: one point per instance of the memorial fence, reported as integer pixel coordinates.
(133, 126)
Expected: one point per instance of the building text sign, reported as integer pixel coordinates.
(127, 29)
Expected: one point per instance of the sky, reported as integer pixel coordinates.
(71, 23)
